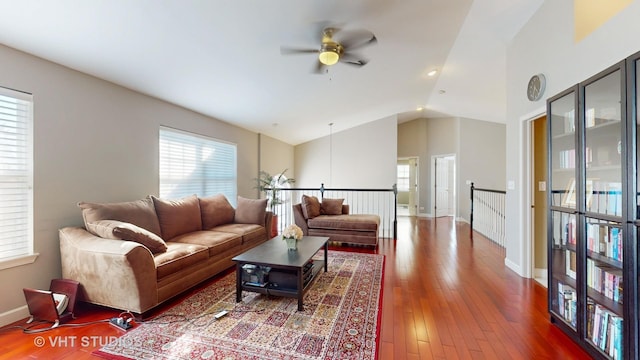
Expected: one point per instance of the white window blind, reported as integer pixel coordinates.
(16, 174)
(194, 164)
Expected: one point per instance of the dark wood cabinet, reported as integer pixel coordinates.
(593, 211)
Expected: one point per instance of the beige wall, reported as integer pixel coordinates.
(276, 156)
(481, 159)
(425, 138)
(94, 141)
(478, 146)
(362, 157)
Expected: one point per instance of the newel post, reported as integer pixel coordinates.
(471, 214)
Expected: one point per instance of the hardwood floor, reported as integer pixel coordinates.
(446, 296)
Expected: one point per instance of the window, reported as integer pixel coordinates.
(194, 164)
(403, 177)
(16, 178)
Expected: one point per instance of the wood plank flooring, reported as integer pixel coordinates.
(446, 296)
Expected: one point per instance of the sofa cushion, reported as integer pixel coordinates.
(250, 211)
(358, 222)
(310, 206)
(216, 241)
(179, 256)
(141, 213)
(249, 232)
(178, 217)
(216, 210)
(113, 229)
(331, 206)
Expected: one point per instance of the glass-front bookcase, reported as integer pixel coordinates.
(563, 295)
(588, 215)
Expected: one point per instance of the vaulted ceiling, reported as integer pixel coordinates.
(222, 58)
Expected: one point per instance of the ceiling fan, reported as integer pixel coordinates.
(332, 51)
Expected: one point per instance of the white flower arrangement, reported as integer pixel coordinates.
(292, 231)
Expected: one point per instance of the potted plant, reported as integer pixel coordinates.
(270, 185)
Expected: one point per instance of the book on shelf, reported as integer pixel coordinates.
(569, 121)
(605, 279)
(568, 303)
(605, 239)
(570, 263)
(604, 329)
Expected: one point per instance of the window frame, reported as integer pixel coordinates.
(29, 256)
(199, 141)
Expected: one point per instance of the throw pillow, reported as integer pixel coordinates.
(216, 210)
(310, 206)
(178, 217)
(250, 211)
(113, 229)
(141, 213)
(331, 206)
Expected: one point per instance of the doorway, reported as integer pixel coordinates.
(407, 183)
(443, 185)
(538, 197)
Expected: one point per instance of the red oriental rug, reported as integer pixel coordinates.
(341, 320)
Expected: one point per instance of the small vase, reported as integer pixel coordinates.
(292, 244)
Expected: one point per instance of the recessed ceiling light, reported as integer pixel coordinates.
(432, 72)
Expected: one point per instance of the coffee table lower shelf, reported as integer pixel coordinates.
(270, 254)
(318, 265)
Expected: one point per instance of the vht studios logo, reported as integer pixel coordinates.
(80, 341)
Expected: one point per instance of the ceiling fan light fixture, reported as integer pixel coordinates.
(328, 57)
(329, 54)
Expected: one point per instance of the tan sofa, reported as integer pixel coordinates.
(331, 218)
(135, 255)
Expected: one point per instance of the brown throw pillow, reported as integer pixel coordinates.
(141, 213)
(310, 206)
(250, 211)
(331, 206)
(216, 210)
(113, 229)
(178, 217)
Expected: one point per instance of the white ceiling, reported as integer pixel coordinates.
(222, 58)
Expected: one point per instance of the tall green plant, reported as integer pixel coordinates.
(270, 185)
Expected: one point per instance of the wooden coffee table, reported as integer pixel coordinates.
(274, 254)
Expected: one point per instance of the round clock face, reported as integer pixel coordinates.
(535, 88)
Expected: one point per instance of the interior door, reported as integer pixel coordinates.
(444, 172)
(413, 186)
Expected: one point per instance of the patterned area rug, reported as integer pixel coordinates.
(341, 320)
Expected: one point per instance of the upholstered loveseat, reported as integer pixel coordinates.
(331, 218)
(135, 255)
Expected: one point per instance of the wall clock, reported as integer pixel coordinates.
(535, 88)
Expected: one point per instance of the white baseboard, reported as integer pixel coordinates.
(513, 266)
(540, 273)
(461, 219)
(14, 315)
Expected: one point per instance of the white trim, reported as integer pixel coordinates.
(18, 261)
(526, 251)
(513, 266)
(14, 315)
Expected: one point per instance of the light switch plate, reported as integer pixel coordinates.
(542, 186)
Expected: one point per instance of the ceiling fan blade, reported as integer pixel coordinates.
(290, 51)
(361, 40)
(353, 60)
